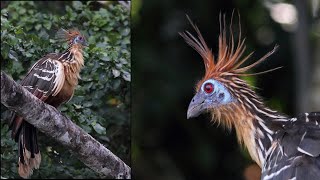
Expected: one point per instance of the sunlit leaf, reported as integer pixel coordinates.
(99, 129)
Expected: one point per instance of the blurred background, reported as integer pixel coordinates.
(101, 104)
(165, 145)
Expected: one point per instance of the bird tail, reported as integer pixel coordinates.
(29, 154)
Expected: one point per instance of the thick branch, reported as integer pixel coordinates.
(50, 121)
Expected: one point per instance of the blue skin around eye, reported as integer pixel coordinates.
(220, 95)
(203, 100)
(76, 40)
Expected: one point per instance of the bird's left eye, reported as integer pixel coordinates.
(208, 88)
(80, 38)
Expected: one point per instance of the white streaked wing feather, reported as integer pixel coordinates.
(60, 77)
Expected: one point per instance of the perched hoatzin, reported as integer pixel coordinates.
(285, 148)
(52, 79)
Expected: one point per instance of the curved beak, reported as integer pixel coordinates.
(197, 105)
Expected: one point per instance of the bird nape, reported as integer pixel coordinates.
(53, 80)
(284, 148)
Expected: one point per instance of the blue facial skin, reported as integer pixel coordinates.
(203, 100)
(220, 94)
(80, 40)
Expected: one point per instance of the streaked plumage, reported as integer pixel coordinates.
(52, 79)
(285, 148)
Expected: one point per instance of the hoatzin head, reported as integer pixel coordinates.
(221, 91)
(72, 36)
(278, 144)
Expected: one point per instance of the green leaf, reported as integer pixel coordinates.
(86, 128)
(28, 54)
(125, 32)
(99, 129)
(82, 118)
(77, 106)
(37, 27)
(126, 76)
(63, 108)
(22, 11)
(87, 104)
(116, 84)
(48, 25)
(77, 5)
(116, 73)
(13, 55)
(105, 57)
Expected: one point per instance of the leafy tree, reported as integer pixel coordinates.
(101, 103)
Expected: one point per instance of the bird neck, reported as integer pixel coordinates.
(72, 60)
(254, 123)
(265, 122)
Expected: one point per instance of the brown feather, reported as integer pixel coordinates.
(238, 116)
(74, 68)
(228, 60)
(67, 35)
(72, 74)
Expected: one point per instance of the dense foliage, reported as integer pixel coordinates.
(101, 103)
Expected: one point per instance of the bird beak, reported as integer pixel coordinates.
(196, 106)
(86, 44)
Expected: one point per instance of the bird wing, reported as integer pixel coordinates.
(295, 152)
(310, 140)
(45, 78)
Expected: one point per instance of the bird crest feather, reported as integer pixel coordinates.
(67, 35)
(229, 57)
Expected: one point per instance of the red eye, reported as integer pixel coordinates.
(80, 38)
(208, 88)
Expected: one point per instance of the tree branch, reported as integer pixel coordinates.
(51, 122)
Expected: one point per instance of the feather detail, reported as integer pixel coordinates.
(72, 70)
(242, 120)
(67, 35)
(229, 57)
(200, 46)
(62, 34)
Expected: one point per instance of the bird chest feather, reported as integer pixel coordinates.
(235, 115)
(73, 67)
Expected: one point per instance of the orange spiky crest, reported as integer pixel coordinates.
(229, 57)
(68, 35)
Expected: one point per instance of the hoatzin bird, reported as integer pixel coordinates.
(53, 80)
(285, 148)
